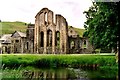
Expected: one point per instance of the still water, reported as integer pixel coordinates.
(59, 74)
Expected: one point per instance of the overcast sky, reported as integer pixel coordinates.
(25, 10)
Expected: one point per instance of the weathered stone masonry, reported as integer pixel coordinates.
(47, 33)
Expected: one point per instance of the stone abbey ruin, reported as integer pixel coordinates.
(49, 35)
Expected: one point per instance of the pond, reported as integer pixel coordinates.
(30, 73)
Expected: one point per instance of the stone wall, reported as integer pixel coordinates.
(86, 47)
(29, 43)
(46, 30)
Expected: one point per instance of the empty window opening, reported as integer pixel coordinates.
(42, 39)
(27, 45)
(6, 49)
(46, 18)
(57, 40)
(17, 41)
(54, 19)
(72, 44)
(49, 38)
(84, 44)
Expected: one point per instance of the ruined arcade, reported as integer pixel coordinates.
(50, 37)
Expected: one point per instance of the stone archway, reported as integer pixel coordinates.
(57, 39)
(42, 39)
(49, 38)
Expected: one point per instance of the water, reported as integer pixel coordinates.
(58, 74)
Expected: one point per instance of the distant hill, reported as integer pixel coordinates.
(79, 31)
(10, 27)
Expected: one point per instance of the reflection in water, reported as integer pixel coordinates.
(57, 74)
(30, 73)
(69, 73)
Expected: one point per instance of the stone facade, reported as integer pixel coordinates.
(5, 43)
(18, 42)
(30, 39)
(13, 43)
(49, 35)
(52, 35)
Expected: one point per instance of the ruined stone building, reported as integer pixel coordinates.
(52, 35)
(49, 35)
(5, 43)
(13, 43)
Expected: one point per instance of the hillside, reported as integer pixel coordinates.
(10, 27)
(79, 31)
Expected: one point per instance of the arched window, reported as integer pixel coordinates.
(49, 38)
(72, 44)
(57, 40)
(84, 44)
(45, 18)
(6, 49)
(27, 45)
(42, 39)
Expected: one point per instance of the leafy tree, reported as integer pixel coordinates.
(102, 24)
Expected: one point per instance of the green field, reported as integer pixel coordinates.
(51, 60)
(79, 31)
(10, 27)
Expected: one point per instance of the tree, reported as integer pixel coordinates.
(102, 24)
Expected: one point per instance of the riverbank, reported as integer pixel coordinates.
(91, 61)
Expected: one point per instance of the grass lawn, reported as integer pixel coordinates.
(63, 60)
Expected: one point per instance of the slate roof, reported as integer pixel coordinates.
(5, 38)
(21, 34)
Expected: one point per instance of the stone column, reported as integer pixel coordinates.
(53, 41)
(61, 42)
(36, 36)
(65, 35)
(45, 41)
(65, 43)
